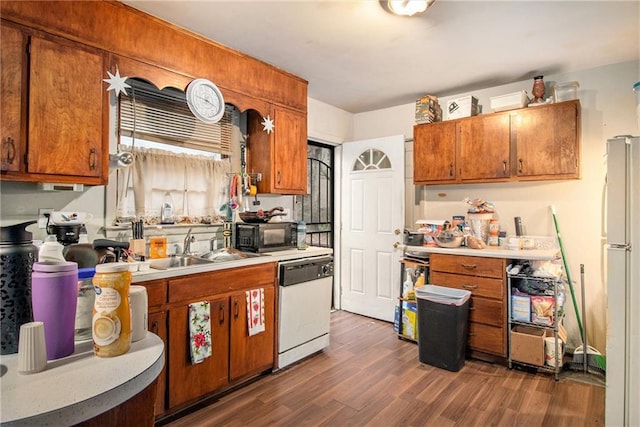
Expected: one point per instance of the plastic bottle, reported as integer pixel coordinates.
(111, 323)
(82, 235)
(407, 286)
(301, 232)
(166, 213)
(494, 233)
(51, 251)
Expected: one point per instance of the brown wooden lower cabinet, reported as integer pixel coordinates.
(485, 279)
(189, 381)
(158, 325)
(235, 355)
(251, 355)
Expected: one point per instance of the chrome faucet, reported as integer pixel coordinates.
(189, 238)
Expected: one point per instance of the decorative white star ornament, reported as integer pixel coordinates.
(117, 83)
(267, 124)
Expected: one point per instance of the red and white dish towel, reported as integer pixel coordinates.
(255, 311)
(200, 331)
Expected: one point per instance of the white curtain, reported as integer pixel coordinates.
(196, 186)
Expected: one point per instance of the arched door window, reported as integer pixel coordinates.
(371, 159)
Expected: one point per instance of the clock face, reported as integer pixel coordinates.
(205, 100)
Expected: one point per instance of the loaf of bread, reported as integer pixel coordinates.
(475, 243)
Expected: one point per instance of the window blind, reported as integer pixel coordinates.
(163, 116)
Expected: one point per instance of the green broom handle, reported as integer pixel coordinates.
(566, 269)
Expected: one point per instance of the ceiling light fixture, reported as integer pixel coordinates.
(406, 7)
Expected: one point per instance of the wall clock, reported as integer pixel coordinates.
(205, 100)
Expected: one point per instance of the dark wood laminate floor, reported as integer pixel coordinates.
(369, 377)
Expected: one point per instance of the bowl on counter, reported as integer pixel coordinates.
(450, 238)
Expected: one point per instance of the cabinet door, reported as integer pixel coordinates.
(14, 47)
(547, 141)
(484, 147)
(188, 381)
(158, 325)
(280, 156)
(290, 152)
(66, 96)
(434, 153)
(251, 354)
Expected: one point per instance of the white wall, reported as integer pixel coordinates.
(326, 123)
(608, 109)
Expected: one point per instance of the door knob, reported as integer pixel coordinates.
(397, 231)
(395, 245)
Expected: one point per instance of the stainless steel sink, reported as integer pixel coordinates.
(224, 255)
(177, 261)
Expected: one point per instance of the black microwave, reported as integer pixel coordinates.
(266, 237)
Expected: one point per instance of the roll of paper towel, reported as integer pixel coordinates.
(139, 312)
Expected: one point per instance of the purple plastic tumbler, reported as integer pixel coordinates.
(54, 297)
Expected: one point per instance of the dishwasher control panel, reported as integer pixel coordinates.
(305, 270)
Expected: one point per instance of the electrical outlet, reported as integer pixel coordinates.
(42, 220)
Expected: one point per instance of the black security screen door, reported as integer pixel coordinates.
(316, 208)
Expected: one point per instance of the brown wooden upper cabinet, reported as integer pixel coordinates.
(536, 143)
(547, 141)
(434, 153)
(484, 148)
(280, 156)
(13, 43)
(59, 133)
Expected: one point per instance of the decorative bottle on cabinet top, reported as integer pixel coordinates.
(538, 90)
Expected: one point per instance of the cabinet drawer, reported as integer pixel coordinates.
(479, 286)
(221, 281)
(488, 339)
(156, 292)
(469, 265)
(487, 311)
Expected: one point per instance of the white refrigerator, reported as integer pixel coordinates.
(623, 282)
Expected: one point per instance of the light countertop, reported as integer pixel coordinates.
(77, 387)
(489, 252)
(276, 256)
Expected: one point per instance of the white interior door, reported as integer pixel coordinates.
(372, 214)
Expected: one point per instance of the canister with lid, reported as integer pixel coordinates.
(111, 322)
(17, 255)
(54, 297)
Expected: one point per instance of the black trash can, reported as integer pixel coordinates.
(443, 315)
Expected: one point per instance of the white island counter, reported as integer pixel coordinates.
(79, 387)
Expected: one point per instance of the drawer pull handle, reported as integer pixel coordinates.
(471, 334)
(154, 327)
(236, 309)
(469, 266)
(470, 286)
(471, 308)
(221, 312)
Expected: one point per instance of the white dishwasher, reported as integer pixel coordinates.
(304, 308)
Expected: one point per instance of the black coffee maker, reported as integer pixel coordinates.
(66, 234)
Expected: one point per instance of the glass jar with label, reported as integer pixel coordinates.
(84, 307)
(111, 322)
